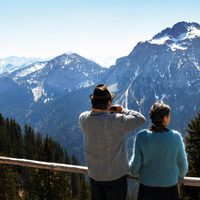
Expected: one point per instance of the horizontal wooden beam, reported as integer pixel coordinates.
(188, 181)
(191, 181)
(43, 165)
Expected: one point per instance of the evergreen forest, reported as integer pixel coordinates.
(20, 183)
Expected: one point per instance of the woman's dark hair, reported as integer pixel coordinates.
(157, 113)
(100, 103)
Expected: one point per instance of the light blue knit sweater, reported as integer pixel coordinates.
(160, 158)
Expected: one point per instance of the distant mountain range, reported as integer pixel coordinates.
(50, 95)
(12, 63)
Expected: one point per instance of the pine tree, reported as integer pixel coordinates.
(61, 186)
(13, 129)
(5, 146)
(75, 183)
(84, 192)
(193, 151)
(29, 143)
(8, 185)
(1, 120)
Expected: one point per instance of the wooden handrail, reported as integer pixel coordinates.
(43, 165)
(188, 181)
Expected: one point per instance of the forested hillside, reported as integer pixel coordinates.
(31, 184)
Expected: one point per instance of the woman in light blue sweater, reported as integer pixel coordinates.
(160, 157)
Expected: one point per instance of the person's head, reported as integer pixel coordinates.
(160, 116)
(101, 97)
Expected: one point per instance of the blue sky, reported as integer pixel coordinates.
(92, 28)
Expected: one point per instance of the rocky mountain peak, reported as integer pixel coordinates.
(178, 37)
(179, 30)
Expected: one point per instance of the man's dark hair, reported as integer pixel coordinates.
(100, 97)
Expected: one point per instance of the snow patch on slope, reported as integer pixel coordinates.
(29, 70)
(37, 92)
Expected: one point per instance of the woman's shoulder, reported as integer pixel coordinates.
(176, 136)
(143, 133)
(175, 132)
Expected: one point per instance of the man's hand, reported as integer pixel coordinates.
(116, 108)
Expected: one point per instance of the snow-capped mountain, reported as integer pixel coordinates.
(61, 74)
(46, 94)
(12, 63)
(177, 37)
(156, 70)
(50, 95)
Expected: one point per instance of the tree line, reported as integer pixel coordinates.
(192, 143)
(20, 183)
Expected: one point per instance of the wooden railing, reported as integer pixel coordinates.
(188, 181)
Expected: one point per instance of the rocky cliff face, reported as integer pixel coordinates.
(167, 68)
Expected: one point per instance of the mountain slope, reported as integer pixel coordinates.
(156, 71)
(43, 82)
(64, 73)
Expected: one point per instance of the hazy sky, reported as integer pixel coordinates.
(91, 28)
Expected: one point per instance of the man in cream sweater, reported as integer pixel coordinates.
(105, 128)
